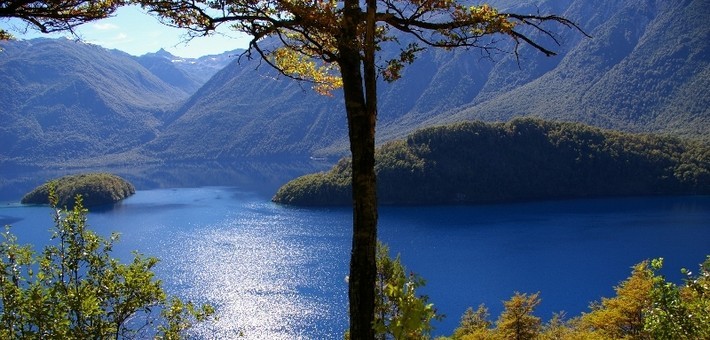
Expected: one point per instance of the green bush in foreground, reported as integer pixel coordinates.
(74, 289)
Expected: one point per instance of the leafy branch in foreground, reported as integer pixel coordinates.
(74, 289)
(399, 312)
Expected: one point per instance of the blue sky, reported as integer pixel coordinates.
(135, 32)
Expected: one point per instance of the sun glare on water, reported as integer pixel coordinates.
(263, 280)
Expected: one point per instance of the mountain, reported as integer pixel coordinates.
(645, 68)
(187, 74)
(524, 159)
(162, 66)
(247, 109)
(65, 100)
(203, 68)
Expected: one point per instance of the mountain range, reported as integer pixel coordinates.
(187, 74)
(646, 68)
(65, 100)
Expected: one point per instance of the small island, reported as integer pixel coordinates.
(95, 188)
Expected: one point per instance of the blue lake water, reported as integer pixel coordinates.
(276, 272)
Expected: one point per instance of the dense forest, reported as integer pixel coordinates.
(525, 159)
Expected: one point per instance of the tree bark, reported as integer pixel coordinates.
(361, 114)
(363, 268)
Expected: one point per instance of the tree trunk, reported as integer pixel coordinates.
(363, 267)
(361, 115)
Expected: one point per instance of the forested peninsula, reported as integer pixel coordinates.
(522, 160)
(95, 188)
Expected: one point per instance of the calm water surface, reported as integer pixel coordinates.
(277, 272)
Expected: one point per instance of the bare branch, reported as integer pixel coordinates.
(431, 34)
(527, 19)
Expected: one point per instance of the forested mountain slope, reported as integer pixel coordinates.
(525, 159)
(247, 109)
(646, 68)
(64, 100)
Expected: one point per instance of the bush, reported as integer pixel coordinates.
(74, 289)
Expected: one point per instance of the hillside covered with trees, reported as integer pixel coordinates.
(64, 100)
(69, 100)
(643, 70)
(525, 159)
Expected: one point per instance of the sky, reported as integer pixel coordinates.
(133, 31)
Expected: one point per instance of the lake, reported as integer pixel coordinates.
(276, 272)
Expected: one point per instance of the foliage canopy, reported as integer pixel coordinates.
(303, 39)
(399, 312)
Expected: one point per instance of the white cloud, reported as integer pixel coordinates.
(116, 41)
(121, 37)
(105, 26)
